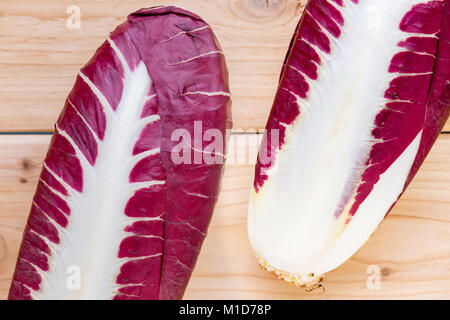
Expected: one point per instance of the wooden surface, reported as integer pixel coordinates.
(39, 58)
(411, 248)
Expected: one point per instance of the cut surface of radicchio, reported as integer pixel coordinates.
(363, 95)
(113, 216)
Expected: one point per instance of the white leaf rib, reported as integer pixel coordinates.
(385, 100)
(209, 94)
(71, 191)
(37, 268)
(119, 54)
(128, 234)
(121, 286)
(150, 97)
(54, 191)
(418, 35)
(349, 3)
(323, 28)
(32, 291)
(100, 96)
(79, 154)
(43, 274)
(305, 76)
(196, 194)
(185, 32)
(187, 223)
(138, 157)
(58, 227)
(203, 151)
(196, 57)
(186, 243)
(298, 99)
(143, 122)
(94, 134)
(419, 53)
(135, 186)
(131, 220)
(127, 259)
(394, 75)
(184, 265)
(322, 55)
(336, 6)
(50, 244)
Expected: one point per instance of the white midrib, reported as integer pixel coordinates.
(97, 219)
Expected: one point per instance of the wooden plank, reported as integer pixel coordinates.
(411, 248)
(40, 56)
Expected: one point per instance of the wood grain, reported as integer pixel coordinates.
(40, 56)
(411, 248)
